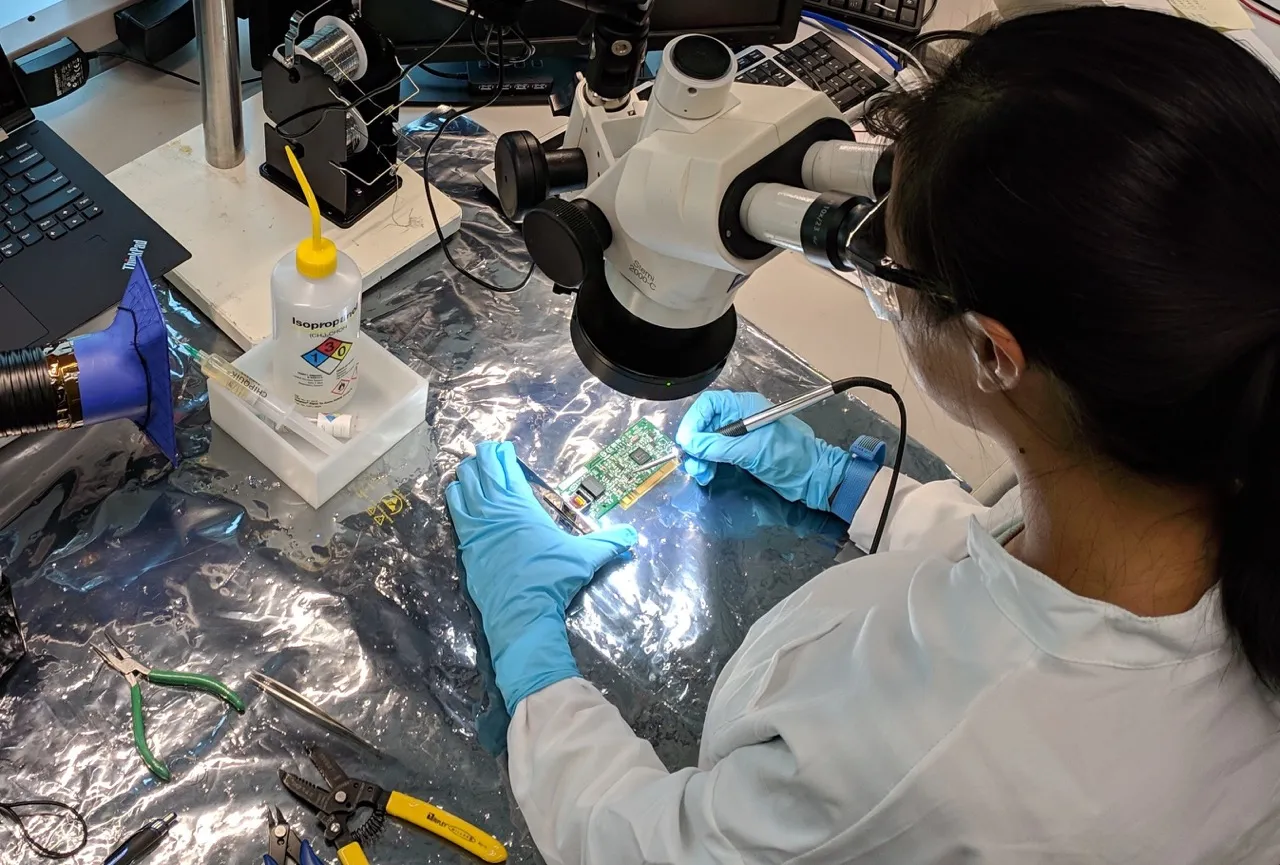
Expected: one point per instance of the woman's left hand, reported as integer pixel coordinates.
(522, 570)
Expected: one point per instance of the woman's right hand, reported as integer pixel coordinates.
(786, 455)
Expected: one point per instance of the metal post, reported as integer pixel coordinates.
(218, 40)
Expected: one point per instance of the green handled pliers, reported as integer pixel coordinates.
(134, 671)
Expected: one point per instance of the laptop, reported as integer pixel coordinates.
(65, 231)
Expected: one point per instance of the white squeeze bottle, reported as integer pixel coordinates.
(315, 317)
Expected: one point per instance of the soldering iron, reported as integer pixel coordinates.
(739, 428)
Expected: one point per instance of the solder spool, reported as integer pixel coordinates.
(357, 132)
(335, 48)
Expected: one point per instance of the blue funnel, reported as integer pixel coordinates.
(124, 370)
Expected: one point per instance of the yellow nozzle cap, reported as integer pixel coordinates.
(317, 259)
(317, 256)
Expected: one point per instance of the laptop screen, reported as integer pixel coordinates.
(13, 105)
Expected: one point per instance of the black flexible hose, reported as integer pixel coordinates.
(28, 398)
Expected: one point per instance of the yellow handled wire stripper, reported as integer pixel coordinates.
(337, 806)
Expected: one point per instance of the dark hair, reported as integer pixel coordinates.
(1106, 183)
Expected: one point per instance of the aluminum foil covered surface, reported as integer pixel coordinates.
(217, 567)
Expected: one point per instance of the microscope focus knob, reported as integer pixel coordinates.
(528, 174)
(567, 239)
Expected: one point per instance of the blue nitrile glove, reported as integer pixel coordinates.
(522, 570)
(786, 454)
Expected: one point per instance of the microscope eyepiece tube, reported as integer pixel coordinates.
(774, 213)
(851, 167)
(804, 221)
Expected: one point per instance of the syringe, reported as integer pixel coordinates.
(259, 400)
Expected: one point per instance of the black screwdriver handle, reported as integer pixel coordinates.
(137, 846)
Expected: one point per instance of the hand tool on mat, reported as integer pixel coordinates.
(337, 806)
(134, 672)
(139, 845)
(305, 707)
(283, 844)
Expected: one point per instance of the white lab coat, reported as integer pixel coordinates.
(938, 702)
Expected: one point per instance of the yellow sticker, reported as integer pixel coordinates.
(387, 508)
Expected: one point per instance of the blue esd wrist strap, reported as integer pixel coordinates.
(868, 456)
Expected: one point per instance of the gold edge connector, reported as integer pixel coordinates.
(654, 479)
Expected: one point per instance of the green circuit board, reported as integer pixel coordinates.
(610, 477)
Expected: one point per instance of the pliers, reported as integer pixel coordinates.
(284, 845)
(135, 671)
(337, 805)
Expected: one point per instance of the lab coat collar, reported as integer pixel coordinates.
(1083, 630)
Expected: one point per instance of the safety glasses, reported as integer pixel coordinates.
(880, 275)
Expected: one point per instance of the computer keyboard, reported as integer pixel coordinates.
(818, 62)
(38, 201)
(897, 19)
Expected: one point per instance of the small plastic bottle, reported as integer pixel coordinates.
(341, 426)
(315, 304)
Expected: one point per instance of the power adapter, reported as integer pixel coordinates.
(152, 30)
(52, 72)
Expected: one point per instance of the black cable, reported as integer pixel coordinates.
(484, 50)
(293, 137)
(845, 384)
(9, 810)
(440, 73)
(933, 7)
(94, 55)
(1266, 6)
(939, 36)
(445, 122)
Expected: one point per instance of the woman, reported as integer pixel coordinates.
(1087, 202)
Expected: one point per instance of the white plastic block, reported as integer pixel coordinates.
(390, 400)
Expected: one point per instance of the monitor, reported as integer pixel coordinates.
(416, 25)
(554, 26)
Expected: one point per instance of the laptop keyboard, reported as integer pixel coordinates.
(820, 63)
(38, 203)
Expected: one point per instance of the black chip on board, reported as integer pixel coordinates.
(592, 487)
(640, 456)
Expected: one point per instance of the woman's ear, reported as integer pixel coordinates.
(997, 358)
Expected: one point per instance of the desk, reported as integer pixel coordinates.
(216, 566)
